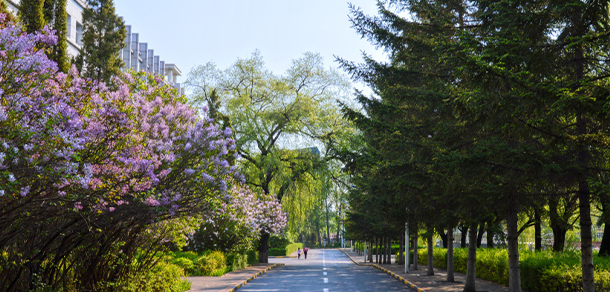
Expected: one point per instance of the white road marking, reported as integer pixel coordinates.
(324, 269)
(325, 289)
(325, 280)
(325, 273)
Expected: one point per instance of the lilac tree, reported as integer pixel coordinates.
(90, 172)
(237, 223)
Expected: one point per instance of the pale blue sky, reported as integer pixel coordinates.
(193, 32)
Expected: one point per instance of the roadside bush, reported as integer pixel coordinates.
(213, 264)
(293, 247)
(237, 261)
(252, 257)
(285, 251)
(277, 251)
(276, 241)
(187, 265)
(164, 277)
(540, 271)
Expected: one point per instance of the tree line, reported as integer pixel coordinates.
(485, 112)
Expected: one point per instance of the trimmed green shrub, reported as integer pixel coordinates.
(277, 251)
(187, 265)
(252, 257)
(237, 261)
(164, 277)
(293, 247)
(540, 271)
(212, 264)
(276, 241)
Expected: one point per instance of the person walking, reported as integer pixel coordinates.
(305, 252)
(299, 253)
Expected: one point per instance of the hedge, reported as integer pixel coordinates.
(540, 271)
(215, 263)
(293, 247)
(278, 251)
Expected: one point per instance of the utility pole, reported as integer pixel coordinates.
(407, 243)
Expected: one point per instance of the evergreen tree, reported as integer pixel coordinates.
(35, 14)
(103, 38)
(31, 14)
(56, 16)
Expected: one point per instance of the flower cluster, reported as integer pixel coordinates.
(69, 144)
(86, 165)
(236, 225)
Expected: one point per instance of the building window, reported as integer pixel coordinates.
(79, 33)
(69, 24)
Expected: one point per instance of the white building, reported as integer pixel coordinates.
(136, 55)
(74, 8)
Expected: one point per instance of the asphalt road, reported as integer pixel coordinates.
(324, 271)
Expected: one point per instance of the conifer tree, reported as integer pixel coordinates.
(57, 18)
(103, 38)
(35, 14)
(31, 13)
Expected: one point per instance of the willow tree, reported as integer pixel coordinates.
(283, 124)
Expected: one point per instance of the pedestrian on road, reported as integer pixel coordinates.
(305, 252)
(299, 253)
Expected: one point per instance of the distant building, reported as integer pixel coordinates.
(74, 8)
(136, 55)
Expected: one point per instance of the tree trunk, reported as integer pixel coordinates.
(480, 234)
(383, 259)
(430, 253)
(338, 236)
(389, 250)
(318, 232)
(464, 230)
(450, 274)
(604, 249)
(471, 263)
(490, 233)
(263, 248)
(559, 238)
(327, 226)
(370, 255)
(377, 250)
(400, 260)
(537, 230)
(586, 238)
(558, 224)
(514, 276)
(443, 235)
(415, 249)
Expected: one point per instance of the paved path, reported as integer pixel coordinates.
(438, 281)
(325, 271)
(226, 281)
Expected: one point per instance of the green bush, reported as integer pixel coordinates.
(276, 241)
(540, 271)
(164, 277)
(187, 265)
(213, 264)
(252, 257)
(237, 261)
(293, 247)
(277, 251)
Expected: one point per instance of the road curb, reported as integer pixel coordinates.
(399, 278)
(253, 277)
